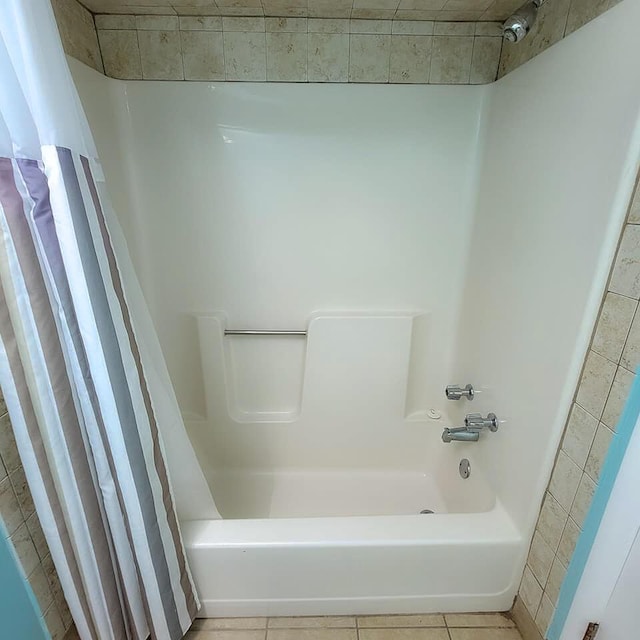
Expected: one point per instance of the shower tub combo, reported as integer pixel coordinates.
(385, 231)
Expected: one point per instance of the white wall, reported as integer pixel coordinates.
(559, 164)
(293, 206)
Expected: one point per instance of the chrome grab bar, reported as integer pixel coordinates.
(262, 332)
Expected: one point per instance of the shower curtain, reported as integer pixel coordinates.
(82, 393)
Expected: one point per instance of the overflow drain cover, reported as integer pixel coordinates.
(465, 468)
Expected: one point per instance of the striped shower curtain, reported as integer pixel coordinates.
(74, 377)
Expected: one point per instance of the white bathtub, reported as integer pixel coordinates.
(288, 548)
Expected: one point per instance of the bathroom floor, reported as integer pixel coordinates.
(455, 626)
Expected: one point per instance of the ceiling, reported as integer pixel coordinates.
(369, 9)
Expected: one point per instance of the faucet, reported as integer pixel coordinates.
(474, 423)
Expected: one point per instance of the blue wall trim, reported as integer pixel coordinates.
(20, 617)
(608, 475)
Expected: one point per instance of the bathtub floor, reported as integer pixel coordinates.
(481, 626)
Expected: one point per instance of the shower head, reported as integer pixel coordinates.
(518, 25)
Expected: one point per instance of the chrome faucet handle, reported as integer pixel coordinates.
(455, 392)
(476, 421)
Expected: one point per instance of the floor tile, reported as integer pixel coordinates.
(478, 620)
(313, 622)
(484, 634)
(226, 634)
(312, 634)
(424, 633)
(229, 623)
(400, 621)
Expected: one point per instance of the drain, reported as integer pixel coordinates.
(427, 511)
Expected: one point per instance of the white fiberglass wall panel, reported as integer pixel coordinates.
(560, 160)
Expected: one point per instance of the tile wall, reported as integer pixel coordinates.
(609, 370)
(298, 49)
(556, 20)
(21, 522)
(78, 32)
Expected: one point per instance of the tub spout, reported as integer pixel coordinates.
(460, 434)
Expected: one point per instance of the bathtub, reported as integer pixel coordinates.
(286, 545)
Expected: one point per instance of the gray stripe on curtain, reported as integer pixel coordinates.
(59, 380)
(118, 379)
(158, 458)
(42, 215)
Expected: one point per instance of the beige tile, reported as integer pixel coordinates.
(554, 582)
(9, 507)
(40, 587)
(617, 397)
(37, 535)
(312, 634)
(160, 55)
(227, 634)
(403, 14)
(243, 24)
(410, 59)
(412, 27)
(369, 58)
(493, 29)
(631, 352)
(524, 621)
(376, 4)
(595, 383)
(598, 453)
(313, 622)
(23, 494)
(287, 57)
(583, 499)
(3, 471)
(330, 9)
(157, 23)
(8, 449)
(323, 25)
(401, 621)
(276, 10)
(370, 26)
(613, 325)
(551, 520)
(121, 54)
(245, 56)
(328, 57)
(286, 25)
(568, 541)
(200, 23)
(373, 14)
(54, 623)
(424, 633)
(229, 623)
(52, 576)
(451, 60)
(634, 207)
(25, 549)
(202, 55)
(3, 404)
(78, 32)
(115, 22)
(478, 620)
(421, 5)
(540, 558)
(484, 634)
(581, 428)
(459, 16)
(454, 28)
(485, 60)
(625, 278)
(65, 614)
(544, 615)
(530, 592)
(208, 10)
(565, 480)
(583, 11)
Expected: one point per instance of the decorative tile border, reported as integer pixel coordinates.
(259, 49)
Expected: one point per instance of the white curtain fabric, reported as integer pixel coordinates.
(87, 392)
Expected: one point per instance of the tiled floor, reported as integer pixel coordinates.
(476, 626)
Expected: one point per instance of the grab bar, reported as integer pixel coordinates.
(262, 332)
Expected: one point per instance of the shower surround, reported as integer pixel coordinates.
(399, 227)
